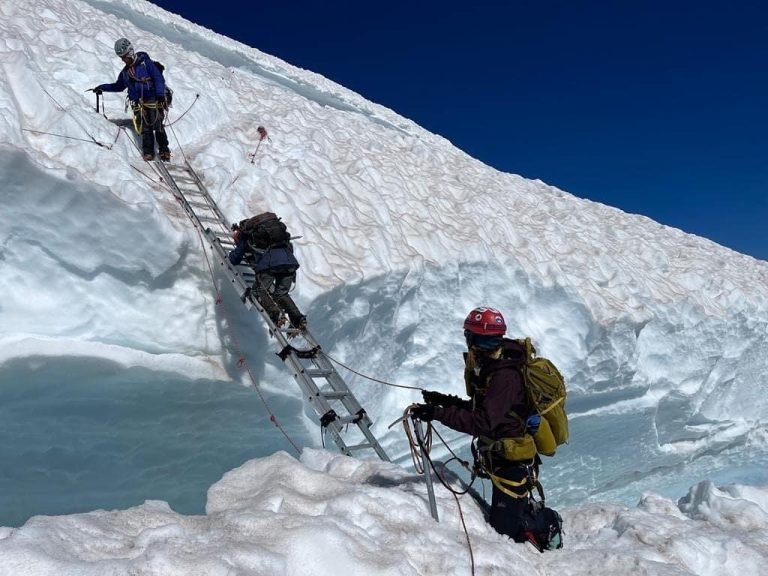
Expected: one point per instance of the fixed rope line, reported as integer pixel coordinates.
(75, 119)
(178, 143)
(197, 97)
(454, 493)
(117, 136)
(147, 176)
(242, 362)
(91, 141)
(466, 533)
(371, 378)
(464, 463)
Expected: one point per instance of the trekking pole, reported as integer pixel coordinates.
(427, 469)
(262, 134)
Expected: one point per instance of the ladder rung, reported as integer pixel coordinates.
(352, 419)
(183, 174)
(318, 373)
(360, 446)
(333, 395)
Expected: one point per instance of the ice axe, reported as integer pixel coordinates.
(98, 95)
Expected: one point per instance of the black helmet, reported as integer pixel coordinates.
(123, 47)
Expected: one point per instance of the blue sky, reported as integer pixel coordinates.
(657, 108)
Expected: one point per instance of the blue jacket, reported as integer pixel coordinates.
(143, 80)
(273, 260)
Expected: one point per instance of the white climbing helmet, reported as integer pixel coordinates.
(123, 47)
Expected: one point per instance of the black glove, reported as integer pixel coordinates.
(432, 397)
(96, 90)
(439, 399)
(161, 103)
(423, 412)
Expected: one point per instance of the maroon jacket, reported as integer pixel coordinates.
(497, 392)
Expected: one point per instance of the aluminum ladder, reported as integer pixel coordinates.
(331, 398)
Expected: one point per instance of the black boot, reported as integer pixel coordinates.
(298, 320)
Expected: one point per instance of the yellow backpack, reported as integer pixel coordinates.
(545, 387)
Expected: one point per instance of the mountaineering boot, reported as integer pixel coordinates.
(289, 306)
(300, 323)
(149, 157)
(165, 155)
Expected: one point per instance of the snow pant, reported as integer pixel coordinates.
(148, 120)
(271, 290)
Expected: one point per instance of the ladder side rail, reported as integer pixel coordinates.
(209, 198)
(354, 407)
(171, 181)
(320, 404)
(357, 414)
(179, 193)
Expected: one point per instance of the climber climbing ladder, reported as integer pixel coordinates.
(321, 384)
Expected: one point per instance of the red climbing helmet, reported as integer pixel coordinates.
(485, 322)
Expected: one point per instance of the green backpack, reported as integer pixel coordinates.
(545, 387)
